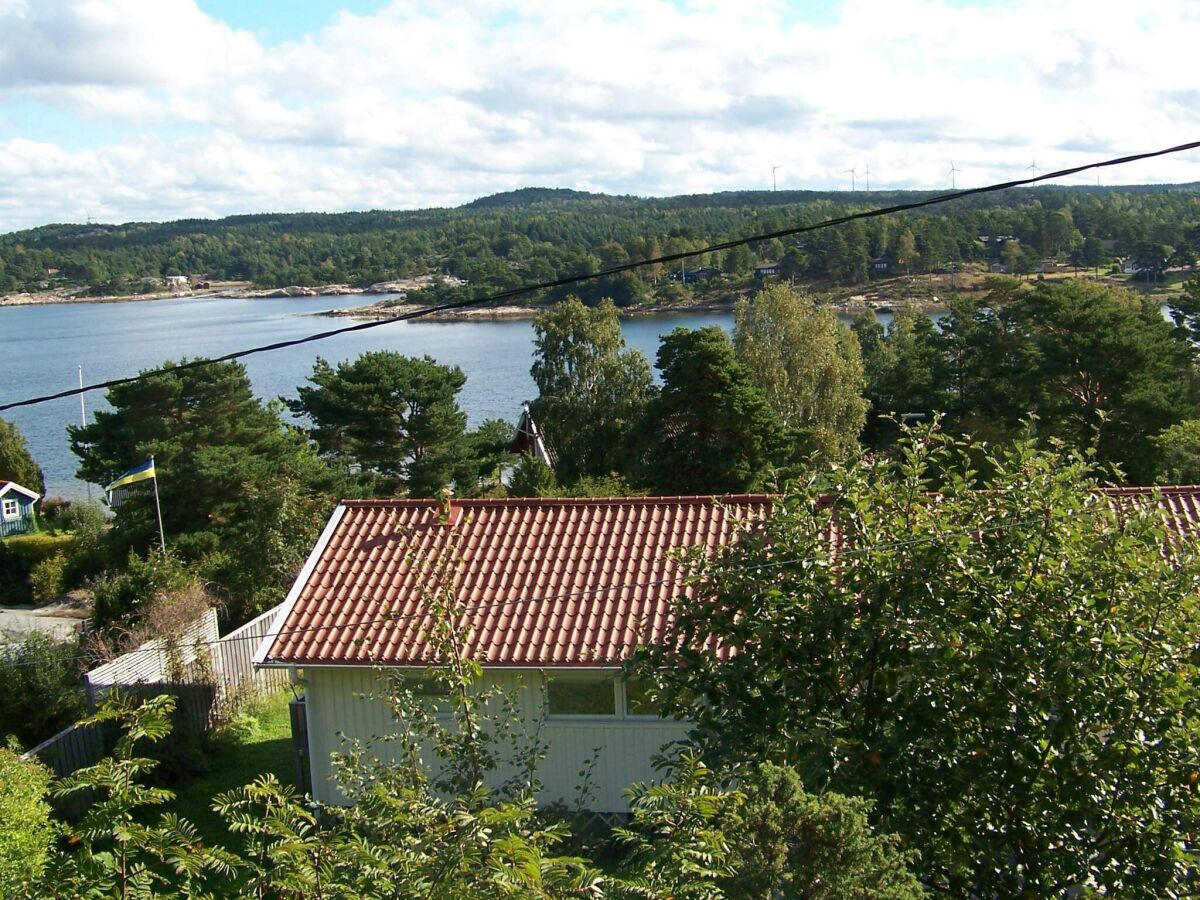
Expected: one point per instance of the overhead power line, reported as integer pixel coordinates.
(604, 273)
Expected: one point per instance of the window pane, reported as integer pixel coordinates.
(573, 697)
(432, 695)
(637, 698)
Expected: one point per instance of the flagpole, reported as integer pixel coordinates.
(162, 541)
(83, 422)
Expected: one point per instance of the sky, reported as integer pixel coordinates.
(122, 110)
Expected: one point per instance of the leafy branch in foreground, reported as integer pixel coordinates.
(1005, 667)
(112, 852)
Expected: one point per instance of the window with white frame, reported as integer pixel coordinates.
(11, 509)
(575, 695)
(638, 702)
(596, 696)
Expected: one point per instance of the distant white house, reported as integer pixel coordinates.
(554, 596)
(17, 512)
(175, 281)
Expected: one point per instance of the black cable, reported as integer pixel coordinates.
(604, 273)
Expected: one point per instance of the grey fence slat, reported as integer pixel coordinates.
(150, 663)
(233, 656)
(73, 748)
(145, 672)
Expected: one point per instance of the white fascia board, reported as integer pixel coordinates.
(13, 486)
(301, 580)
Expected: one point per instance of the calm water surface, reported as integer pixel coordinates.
(42, 345)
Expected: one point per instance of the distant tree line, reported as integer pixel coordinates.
(534, 236)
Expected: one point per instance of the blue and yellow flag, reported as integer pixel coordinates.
(144, 472)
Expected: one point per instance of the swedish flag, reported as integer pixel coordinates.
(144, 472)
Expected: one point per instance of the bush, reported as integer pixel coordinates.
(47, 578)
(533, 478)
(125, 596)
(14, 576)
(790, 843)
(21, 556)
(33, 548)
(26, 830)
(86, 520)
(40, 689)
(88, 557)
(52, 509)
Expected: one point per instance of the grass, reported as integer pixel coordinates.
(258, 741)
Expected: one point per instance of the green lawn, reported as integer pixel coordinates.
(258, 741)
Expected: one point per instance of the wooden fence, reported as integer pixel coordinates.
(198, 655)
(233, 653)
(75, 747)
(158, 661)
(200, 669)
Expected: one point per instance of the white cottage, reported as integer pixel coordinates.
(553, 595)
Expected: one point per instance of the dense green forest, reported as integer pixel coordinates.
(540, 234)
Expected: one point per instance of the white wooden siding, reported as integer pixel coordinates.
(345, 704)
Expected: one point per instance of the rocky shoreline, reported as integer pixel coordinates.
(375, 312)
(240, 290)
(400, 288)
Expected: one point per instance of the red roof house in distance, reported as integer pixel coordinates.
(552, 595)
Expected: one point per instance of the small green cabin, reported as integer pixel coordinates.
(17, 513)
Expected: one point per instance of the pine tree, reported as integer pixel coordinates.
(16, 462)
(709, 430)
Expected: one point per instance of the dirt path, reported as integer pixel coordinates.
(61, 619)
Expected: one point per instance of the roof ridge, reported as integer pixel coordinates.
(664, 499)
(1151, 488)
(484, 502)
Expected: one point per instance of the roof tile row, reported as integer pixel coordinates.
(534, 582)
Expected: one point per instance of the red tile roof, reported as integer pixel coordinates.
(540, 582)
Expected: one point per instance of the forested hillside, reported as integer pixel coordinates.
(540, 234)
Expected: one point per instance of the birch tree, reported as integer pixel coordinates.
(807, 365)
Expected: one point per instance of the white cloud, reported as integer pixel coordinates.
(434, 104)
(125, 43)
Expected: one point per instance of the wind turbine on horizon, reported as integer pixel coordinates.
(1033, 167)
(853, 172)
(773, 168)
(953, 170)
(867, 176)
